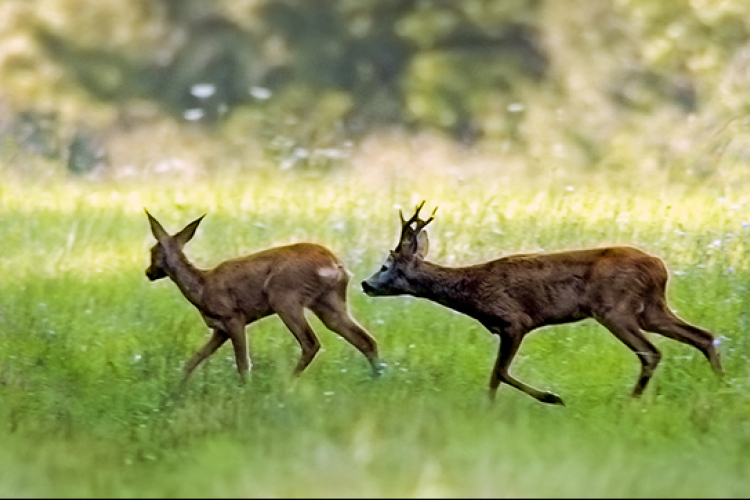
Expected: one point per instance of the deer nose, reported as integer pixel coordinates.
(367, 288)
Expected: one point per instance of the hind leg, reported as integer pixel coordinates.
(659, 319)
(627, 331)
(333, 311)
(291, 312)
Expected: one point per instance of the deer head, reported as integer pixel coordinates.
(167, 246)
(393, 276)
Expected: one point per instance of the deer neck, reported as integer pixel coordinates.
(450, 286)
(188, 278)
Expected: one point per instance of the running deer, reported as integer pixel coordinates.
(281, 280)
(622, 288)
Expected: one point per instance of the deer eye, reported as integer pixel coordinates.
(383, 268)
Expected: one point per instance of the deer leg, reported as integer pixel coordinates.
(333, 312)
(663, 321)
(509, 344)
(293, 317)
(241, 353)
(630, 334)
(217, 339)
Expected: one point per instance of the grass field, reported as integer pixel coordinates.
(91, 351)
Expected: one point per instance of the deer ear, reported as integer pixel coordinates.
(187, 233)
(423, 245)
(156, 229)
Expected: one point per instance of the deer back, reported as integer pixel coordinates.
(565, 286)
(299, 272)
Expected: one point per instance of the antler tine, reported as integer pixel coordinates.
(414, 217)
(422, 223)
(406, 229)
(406, 224)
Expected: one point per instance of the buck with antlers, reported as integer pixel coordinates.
(622, 288)
(282, 280)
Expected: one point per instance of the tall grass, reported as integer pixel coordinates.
(90, 351)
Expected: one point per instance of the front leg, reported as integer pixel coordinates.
(217, 339)
(236, 331)
(510, 341)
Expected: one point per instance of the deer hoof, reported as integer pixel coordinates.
(552, 399)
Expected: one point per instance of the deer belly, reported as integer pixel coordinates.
(212, 321)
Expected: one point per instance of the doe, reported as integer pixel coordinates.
(283, 280)
(622, 288)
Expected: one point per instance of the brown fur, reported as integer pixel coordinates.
(622, 288)
(280, 280)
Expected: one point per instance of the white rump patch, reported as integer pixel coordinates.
(329, 272)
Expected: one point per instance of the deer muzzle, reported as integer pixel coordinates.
(155, 274)
(368, 289)
(374, 289)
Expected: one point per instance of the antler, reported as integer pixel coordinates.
(407, 233)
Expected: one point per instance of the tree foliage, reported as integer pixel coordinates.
(476, 69)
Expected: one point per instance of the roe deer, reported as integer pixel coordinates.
(282, 280)
(622, 288)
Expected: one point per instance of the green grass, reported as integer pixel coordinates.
(91, 351)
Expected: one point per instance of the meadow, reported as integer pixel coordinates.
(91, 351)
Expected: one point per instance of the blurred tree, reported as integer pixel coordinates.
(507, 71)
(368, 49)
(85, 152)
(205, 63)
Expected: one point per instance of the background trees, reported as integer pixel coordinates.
(521, 75)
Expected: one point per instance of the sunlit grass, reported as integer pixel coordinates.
(90, 351)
